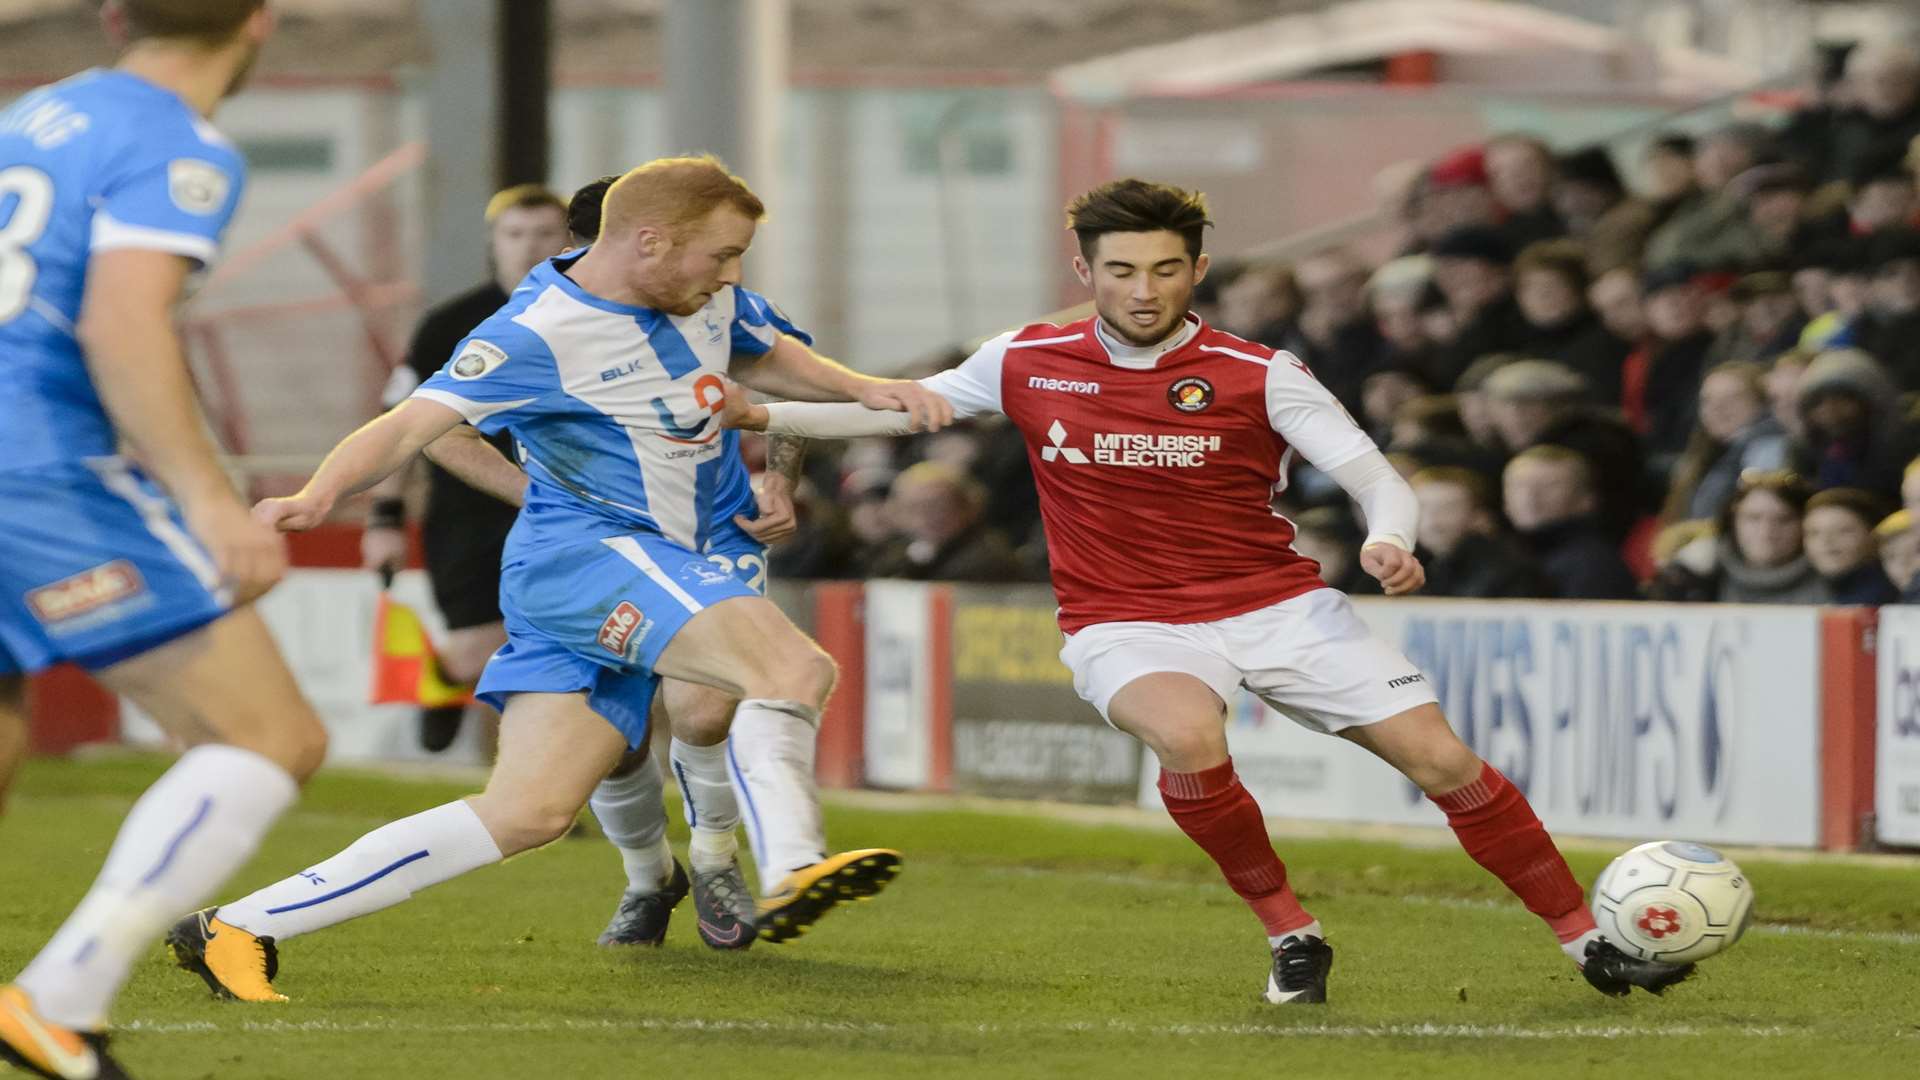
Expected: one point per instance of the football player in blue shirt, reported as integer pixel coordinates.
(629, 561)
(113, 189)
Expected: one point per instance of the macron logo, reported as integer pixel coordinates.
(1065, 386)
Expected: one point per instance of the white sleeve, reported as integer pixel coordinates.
(834, 420)
(1390, 506)
(974, 386)
(1310, 418)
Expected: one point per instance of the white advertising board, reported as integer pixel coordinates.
(323, 621)
(899, 721)
(1896, 800)
(1618, 720)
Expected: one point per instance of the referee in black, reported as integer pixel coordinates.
(463, 530)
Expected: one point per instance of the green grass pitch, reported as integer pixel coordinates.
(1014, 944)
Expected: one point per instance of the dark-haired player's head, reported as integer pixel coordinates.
(1140, 254)
(239, 27)
(526, 225)
(583, 211)
(676, 229)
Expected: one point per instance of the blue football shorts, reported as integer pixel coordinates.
(594, 615)
(96, 567)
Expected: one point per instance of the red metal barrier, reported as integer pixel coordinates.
(1847, 701)
(840, 627)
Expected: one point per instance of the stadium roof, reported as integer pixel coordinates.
(357, 39)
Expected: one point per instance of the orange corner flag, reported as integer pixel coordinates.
(405, 671)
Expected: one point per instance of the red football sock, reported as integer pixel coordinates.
(1213, 809)
(1498, 828)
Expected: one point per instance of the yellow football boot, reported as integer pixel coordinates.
(30, 1041)
(234, 963)
(808, 893)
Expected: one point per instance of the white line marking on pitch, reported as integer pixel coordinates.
(1110, 1027)
(1888, 937)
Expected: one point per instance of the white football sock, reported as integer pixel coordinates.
(770, 751)
(711, 808)
(182, 839)
(1577, 948)
(634, 820)
(379, 870)
(1312, 929)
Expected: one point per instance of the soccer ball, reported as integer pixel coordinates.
(1672, 901)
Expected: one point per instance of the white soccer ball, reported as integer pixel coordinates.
(1672, 901)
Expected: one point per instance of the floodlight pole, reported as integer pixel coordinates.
(725, 63)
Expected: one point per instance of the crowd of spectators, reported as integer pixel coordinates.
(1690, 376)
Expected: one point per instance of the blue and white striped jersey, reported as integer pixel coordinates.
(98, 161)
(613, 406)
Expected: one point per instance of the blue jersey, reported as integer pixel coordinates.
(613, 408)
(99, 161)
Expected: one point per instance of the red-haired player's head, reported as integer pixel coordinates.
(1140, 254)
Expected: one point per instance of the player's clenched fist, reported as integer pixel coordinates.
(1396, 569)
(739, 412)
(250, 556)
(929, 411)
(294, 513)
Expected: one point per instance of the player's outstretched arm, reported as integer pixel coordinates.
(361, 460)
(140, 370)
(812, 420)
(793, 371)
(479, 464)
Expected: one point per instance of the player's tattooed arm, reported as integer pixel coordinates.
(784, 455)
(776, 517)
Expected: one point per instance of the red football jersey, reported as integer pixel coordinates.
(1157, 474)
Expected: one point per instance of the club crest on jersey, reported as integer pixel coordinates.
(1190, 395)
(85, 592)
(477, 359)
(198, 187)
(714, 333)
(624, 629)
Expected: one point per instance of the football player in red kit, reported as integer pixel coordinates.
(1158, 446)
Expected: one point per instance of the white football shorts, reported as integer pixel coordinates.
(1310, 657)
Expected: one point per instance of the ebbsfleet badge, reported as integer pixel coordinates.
(478, 358)
(1190, 395)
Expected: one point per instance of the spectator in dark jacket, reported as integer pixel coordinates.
(1587, 189)
(1769, 321)
(1459, 543)
(1891, 328)
(1659, 387)
(1838, 530)
(1551, 501)
(1520, 172)
(1473, 269)
(1550, 284)
(1335, 334)
(1855, 434)
(1736, 435)
(1620, 235)
(1538, 402)
(935, 509)
(1883, 80)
